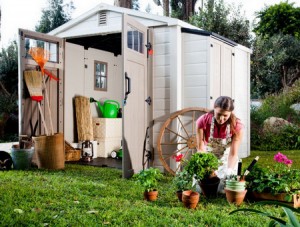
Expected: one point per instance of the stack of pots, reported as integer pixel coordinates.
(235, 191)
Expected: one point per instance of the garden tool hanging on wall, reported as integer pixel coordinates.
(41, 57)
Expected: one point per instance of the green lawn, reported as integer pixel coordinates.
(93, 196)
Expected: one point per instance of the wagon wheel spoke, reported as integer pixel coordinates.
(174, 152)
(184, 156)
(183, 127)
(170, 130)
(193, 123)
(173, 143)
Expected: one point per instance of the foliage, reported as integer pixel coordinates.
(276, 106)
(277, 178)
(54, 16)
(183, 181)
(149, 178)
(135, 4)
(202, 165)
(8, 92)
(275, 64)
(288, 212)
(282, 18)
(225, 20)
(287, 138)
(183, 9)
(9, 69)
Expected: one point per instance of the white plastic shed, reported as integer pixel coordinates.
(189, 67)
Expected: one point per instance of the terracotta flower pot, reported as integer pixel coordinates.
(179, 195)
(190, 199)
(235, 197)
(150, 196)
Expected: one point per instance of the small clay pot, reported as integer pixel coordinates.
(150, 196)
(190, 199)
(235, 197)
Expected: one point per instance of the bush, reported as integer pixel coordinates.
(277, 106)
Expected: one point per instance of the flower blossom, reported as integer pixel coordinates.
(178, 157)
(281, 158)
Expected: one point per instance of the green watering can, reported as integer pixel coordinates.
(109, 109)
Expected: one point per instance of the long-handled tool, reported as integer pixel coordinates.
(41, 56)
(33, 80)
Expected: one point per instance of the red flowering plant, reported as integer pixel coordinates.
(275, 179)
(182, 180)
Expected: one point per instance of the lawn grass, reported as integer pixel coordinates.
(93, 196)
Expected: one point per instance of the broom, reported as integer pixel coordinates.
(33, 80)
(41, 56)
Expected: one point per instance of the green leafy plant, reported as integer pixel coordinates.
(183, 181)
(288, 212)
(279, 178)
(202, 165)
(149, 178)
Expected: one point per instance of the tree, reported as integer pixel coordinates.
(9, 91)
(165, 4)
(130, 4)
(281, 18)
(224, 20)
(55, 15)
(275, 64)
(183, 9)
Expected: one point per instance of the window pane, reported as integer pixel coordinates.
(100, 76)
(141, 43)
(129, 39)
(51, 48)
(103, 82)
(136, 40)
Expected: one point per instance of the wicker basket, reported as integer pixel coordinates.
(73, 155)
(50, 151)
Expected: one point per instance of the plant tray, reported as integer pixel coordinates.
(278, 197)
(72, 155)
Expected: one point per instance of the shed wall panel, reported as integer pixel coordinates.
(242, 97)
(195, 73)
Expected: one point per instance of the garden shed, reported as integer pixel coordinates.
(152, 65)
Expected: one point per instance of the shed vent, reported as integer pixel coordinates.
(102, 18)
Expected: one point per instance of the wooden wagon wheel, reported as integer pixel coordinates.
(178, 136)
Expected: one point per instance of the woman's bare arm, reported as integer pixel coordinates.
(233, 154)
(200, 140)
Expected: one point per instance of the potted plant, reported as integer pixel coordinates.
(202, 167)
(183, 182)
(277, 182)
(149, 178)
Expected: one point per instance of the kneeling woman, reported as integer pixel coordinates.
(221, 132)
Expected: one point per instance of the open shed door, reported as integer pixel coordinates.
(30, 121)
(134, 38)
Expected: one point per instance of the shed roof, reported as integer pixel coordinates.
(151, 20)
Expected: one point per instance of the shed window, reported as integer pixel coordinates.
(51, 48)
(100, 72)
(135, 40)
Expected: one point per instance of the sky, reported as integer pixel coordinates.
(26, 13)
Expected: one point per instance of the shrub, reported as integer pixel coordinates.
(277, 106)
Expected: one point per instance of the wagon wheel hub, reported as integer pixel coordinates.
(192, 142)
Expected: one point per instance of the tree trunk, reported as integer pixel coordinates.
(166, 7)
(123, 3)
